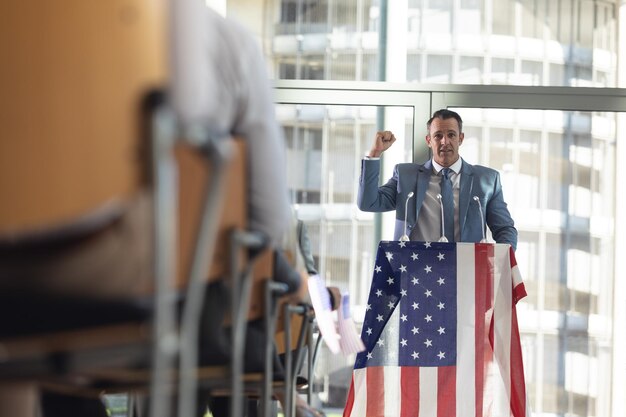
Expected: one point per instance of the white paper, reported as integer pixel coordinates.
(320, 300)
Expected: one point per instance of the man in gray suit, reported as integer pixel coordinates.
(444, 196)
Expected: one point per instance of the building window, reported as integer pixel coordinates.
(533, 18)
(287, 71)
(343, 66)
(503, 17)
(288, 11)
(557, 78)
(413, 67)
(312, 67)
(369, 71)
(502, 70)
(471, 4)
(470, 70)
(532, 73)
(439, 68)
(307, 197)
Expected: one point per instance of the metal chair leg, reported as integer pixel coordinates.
(272, 291)
(164, 335)
(241, 285)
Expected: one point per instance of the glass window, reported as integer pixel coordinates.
(470, 70)
(532, 73)
(442, 5)
(556, 171)
(562, 43)
(557, 76)
(325, 145)
(287, 71)
(532, 18)
(314, 11)
(288, 11)
(471, 4)
(587, 21)
(552, 375)
(528, 259)
(343, 66)
(528, 167)
(605, 26)
(469, 21)
(370, 67)
(344, 15)
(581, 76)
(413, 67)
(501, 148)
(502, 70)
(559, 177)
(503, 17)
(438, 17)
(372, 13)
(312, 67)
(368, 14)
(603, 79)
(566, 12)
(416, 4)
(414, 24)
(473, 144)
(303, 11)
(553, 268)
(438, 68)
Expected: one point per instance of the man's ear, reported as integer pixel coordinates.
(461, 137)
(428, 141)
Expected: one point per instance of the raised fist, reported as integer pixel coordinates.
(382, 142)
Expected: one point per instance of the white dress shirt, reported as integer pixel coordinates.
(428, 228)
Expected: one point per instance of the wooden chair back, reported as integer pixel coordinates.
(72, 79)
(193, 176)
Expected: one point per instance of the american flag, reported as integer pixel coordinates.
(441, 334)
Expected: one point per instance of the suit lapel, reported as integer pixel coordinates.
(421, 185)
(465, 193)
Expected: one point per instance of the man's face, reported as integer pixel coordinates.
(444, 139)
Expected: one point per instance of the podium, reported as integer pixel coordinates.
(441, 333)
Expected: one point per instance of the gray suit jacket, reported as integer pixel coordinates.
(476, 180)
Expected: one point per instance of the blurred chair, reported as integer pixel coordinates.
(89, 191)
(76, 223)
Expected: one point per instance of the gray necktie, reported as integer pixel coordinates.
(448, 204)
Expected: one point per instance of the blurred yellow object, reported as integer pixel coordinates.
(73, 75)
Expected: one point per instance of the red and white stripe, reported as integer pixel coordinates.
(488, 379)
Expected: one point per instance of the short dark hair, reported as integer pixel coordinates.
(444, 114)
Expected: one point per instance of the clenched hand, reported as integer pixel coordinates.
(382, 142)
